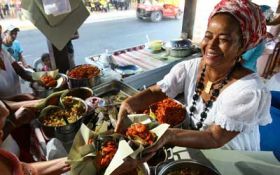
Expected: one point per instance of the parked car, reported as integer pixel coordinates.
(154, 11)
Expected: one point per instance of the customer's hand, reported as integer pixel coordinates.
(23, 115)
(22, 97)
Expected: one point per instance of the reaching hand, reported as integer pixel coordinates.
(23, 115)
(123, 122)
(23, 97)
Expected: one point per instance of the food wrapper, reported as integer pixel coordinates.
(82, 155)
(124, 150)
(140, 118)
(159, 131)
(37, 75)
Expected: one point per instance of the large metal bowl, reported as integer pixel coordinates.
(62, 132)
(42, 92)
(178, 48)
(186, 165)
(83, 82)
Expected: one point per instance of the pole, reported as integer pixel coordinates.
(188, 18)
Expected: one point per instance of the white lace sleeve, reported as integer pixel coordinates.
(244, 109)
(174, 82)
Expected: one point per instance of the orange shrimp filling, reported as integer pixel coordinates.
(140, 130)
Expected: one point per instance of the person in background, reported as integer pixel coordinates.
(10, 164)
(45, 58)
(104, 5)
(1, 12)
(274, 24)
(10, 89)
(17, 121)
(7, 9)
(70, 49)
(10, 71)
(225, 102)
(251, 56)
(12, 45)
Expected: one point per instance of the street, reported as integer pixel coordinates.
(97, 36)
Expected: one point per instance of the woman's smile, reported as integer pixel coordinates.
(213, 55)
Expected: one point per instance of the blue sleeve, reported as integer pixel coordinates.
(250, 57)
(17, 46)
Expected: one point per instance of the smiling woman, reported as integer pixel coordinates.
(226, 103)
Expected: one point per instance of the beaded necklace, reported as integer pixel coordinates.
(214, 95)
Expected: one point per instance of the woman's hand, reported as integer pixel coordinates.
(23, 116)
(136, 103)
(123, 122)
(164, 140)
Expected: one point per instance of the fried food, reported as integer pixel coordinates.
(140, 134)
(48, 81)
(72, 112)
(84, 71)
(108, 150)
(168, 111)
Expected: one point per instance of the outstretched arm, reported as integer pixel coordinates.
(51, 167)
(21, 72)
(21, 116)
(213, 137)
(138, 102)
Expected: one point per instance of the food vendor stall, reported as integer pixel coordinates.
(119, 79)
(148, 66)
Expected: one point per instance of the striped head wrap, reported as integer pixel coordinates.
(251, 20)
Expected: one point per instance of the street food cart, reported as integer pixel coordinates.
(149, 66)
(112, 82)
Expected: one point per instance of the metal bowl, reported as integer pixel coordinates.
(81, 92)
(83, 82)
(186, 165)
(62, 131)
(144, 169)
(178, 48)
(180, 43)
(180, 52)
(42, 92)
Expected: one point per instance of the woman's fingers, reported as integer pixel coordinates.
(121, 121)
(147, 157)
(118, 126)
(159, 144)
(151, 149)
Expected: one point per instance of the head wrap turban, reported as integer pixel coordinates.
(251, 20)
